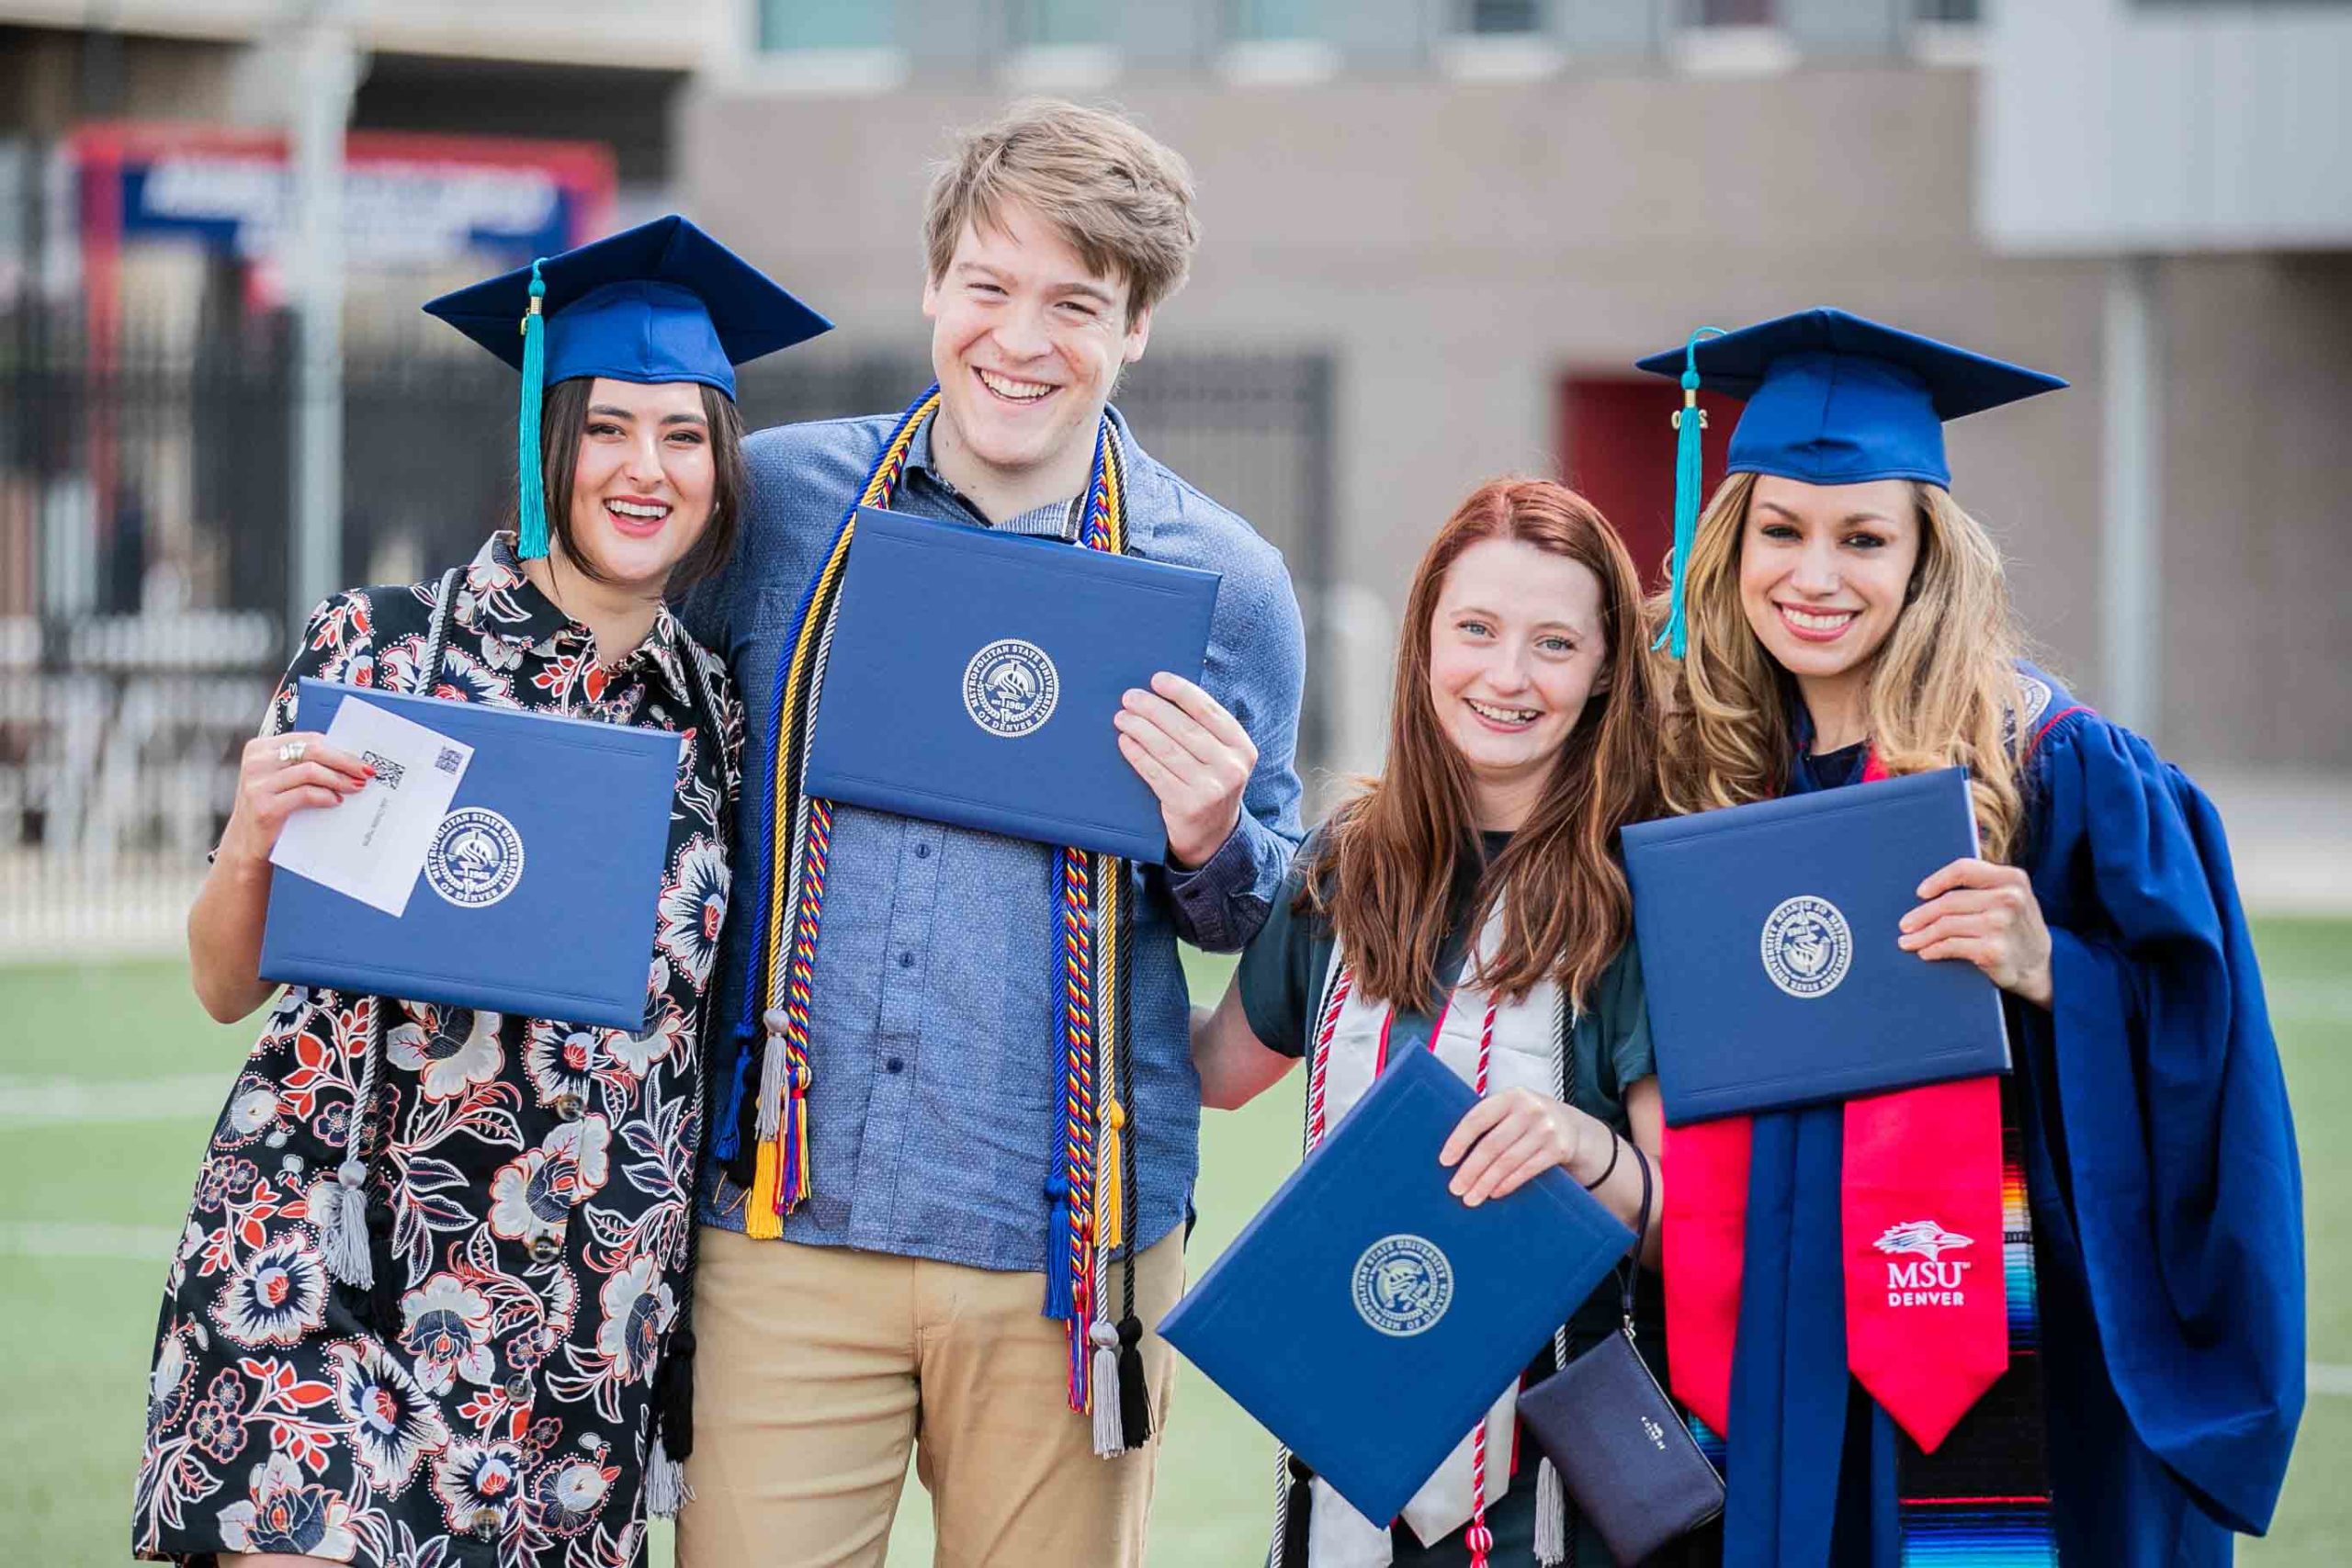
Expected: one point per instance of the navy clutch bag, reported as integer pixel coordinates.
(574, 818)
(1768, 940)
(1619, 1444)
(973, 676)
(1366, 1316)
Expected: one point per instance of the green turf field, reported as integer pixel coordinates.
(81, 1195)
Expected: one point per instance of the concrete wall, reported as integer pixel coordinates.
(1460, 247)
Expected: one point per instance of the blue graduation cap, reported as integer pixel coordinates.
(660, 302)
(1832, 399)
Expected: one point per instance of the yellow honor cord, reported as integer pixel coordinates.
(762, 1222)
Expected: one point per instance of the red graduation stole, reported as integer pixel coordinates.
(1927, 1327)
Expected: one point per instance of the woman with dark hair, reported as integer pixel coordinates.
(430, 1299)
(1469, 901)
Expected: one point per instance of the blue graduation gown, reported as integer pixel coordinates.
(2165, 1196)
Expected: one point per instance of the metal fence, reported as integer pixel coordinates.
(144, 536)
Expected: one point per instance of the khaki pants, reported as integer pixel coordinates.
(820, 1368)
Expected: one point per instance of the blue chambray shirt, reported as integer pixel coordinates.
(933, 1109)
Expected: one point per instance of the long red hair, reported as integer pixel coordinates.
(1385, 862)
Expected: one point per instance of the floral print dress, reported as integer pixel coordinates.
(492, 1399)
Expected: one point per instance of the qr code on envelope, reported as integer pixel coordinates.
(386, 769)
(449, 761)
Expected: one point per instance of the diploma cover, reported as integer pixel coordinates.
(1767, 938)
(973, 675)
(1366, 1316)
(540, 894)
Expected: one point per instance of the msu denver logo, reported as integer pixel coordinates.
(1929, 1281)
(1403, 1285)
(476, 857)
(1807, 946)
(1009, 688)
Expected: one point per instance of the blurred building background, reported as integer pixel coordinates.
(1437, 232)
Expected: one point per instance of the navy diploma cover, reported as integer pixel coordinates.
(973, 676)
(1768, 940)
(540, 894)
(1366, 1316)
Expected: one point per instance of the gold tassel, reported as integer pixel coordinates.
(761, 1221)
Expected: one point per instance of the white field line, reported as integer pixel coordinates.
(183, 1098)
(2328, 1377)
(77, 1239)
(2309, 1002)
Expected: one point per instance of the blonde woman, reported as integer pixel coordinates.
(2128, 1391)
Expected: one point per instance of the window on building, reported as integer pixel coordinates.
(1501, 18)
(1052, 23)
(1731, 13)
(1256, 21)
(787, 24)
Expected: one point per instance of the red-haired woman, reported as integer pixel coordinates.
(1475, 879)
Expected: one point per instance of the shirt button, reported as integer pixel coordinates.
(922, 851)
(546, 1248)
(896, 1064)
(567, 1107)
(906, 960)
(484, 1524)
(518, 1389)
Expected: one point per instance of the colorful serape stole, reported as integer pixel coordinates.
(1087, 1191)
(1982, 1499)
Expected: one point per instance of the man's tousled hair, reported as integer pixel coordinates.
(1122, 199)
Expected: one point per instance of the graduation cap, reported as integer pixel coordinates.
(1832, 399)
(660, 302)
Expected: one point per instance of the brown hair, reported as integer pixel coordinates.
(563, 419)
(1122, 199)
(1942, 686)
(1385, 862)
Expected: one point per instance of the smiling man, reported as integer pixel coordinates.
(909, 1143)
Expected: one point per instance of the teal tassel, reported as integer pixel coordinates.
(531, 510)
(1688, 475)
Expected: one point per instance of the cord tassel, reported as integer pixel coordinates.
(1059, 1300)
(794, 1182)
(772, 1060)
(1135, 1394)
(1294, 1501)
(530, 481)
(343, 1229)
(1688, 476)
(1110, 1435)
(1550, 1493)
(1550, 1517)
(666, 1491)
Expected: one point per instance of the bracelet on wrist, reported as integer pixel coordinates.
(1616, 1147)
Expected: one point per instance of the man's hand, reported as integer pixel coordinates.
(1196, 758)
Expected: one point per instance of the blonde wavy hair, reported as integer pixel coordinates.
(1941, 691)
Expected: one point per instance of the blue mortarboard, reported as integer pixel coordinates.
(1832, 399)
(660, 302)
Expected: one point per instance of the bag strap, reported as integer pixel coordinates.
(1631, 1268)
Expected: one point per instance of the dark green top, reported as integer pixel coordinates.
(1281, 981)
(1284, 968)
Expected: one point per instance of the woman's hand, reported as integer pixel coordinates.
(1508, 1139)
(279, 775)
(1987, 914)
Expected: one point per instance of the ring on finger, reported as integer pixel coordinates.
(292, 752)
